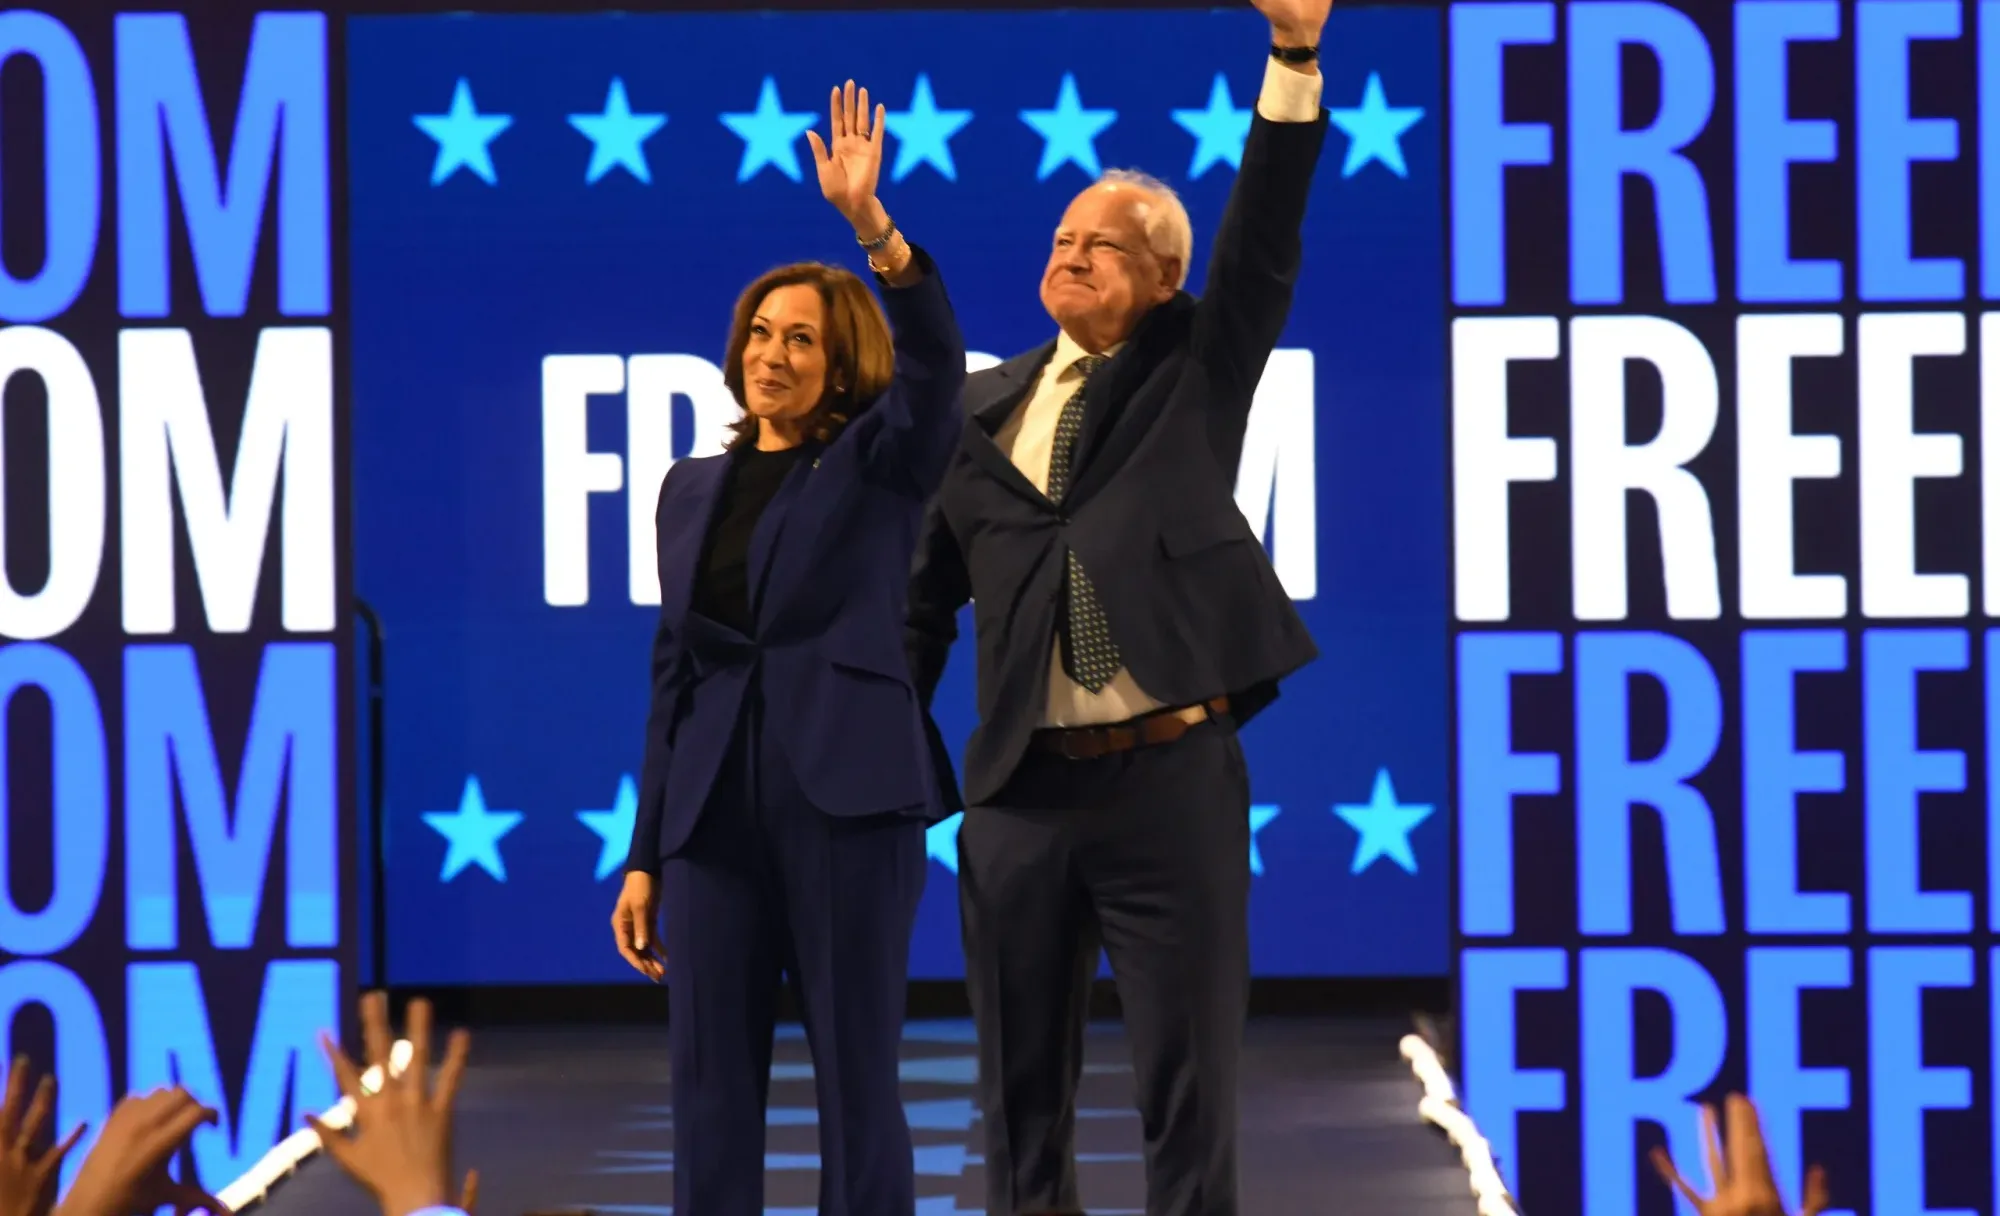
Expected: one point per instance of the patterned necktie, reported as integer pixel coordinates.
(1089, 656)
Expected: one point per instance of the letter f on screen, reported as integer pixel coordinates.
(571, 472)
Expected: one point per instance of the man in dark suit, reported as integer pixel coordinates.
(1127, 622)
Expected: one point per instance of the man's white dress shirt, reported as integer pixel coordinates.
(1029, 435)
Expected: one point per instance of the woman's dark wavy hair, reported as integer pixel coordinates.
(860, 357)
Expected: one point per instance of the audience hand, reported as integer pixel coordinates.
(1743, 1182)
(125, 1173)
(28, 1171)
(400, 1149)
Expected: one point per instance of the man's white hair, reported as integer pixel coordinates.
(1168, 228)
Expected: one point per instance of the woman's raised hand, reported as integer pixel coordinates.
(851, 167)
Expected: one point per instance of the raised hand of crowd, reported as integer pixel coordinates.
(29, 1161)
(1740, 1168)
(398, 1146)
(126, 1171)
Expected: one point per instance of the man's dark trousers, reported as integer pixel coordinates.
(1146, 852)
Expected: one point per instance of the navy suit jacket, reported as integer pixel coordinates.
(1193, 604)
(829, 568)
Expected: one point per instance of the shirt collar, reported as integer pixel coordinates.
(1068, 352)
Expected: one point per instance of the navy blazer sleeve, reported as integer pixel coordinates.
(1254, 264)
(644, 854)
(913, 427)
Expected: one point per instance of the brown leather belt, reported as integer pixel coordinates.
(1093, 742)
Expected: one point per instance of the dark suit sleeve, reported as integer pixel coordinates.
(1254, 264)
(939, 587)
(916, 422)
(644, 855)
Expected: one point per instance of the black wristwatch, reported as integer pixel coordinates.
(1294, 54)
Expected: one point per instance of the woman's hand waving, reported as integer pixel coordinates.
(850, 169)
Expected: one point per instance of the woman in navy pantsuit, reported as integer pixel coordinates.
(790, 771)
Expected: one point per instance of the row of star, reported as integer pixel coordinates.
(473, 831)
(923, 133)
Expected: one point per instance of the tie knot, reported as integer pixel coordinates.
(1088, 365)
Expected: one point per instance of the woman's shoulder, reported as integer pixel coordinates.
(695, 466)
(690, 470)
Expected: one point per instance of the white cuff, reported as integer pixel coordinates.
(1289, 96)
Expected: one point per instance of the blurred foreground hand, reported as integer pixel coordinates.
(1742, 1179)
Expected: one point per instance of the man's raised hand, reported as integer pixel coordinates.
(1295, 22)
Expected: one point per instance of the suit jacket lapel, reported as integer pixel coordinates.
(680, 540)
(990, 398)
(1105, 397)
(767, 540)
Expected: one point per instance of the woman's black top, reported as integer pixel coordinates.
(722, 587)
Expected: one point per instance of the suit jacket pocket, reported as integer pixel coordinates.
(1186, 537)
(891, 662)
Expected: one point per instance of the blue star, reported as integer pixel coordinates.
(1069, 132)
(922, 132)
(1384, 824)
(462, 134)
(1260, 816)
(474, 834)
(770, 135)
(1219, 131)
(616, 135)
(614, 828)
(1375, 130)
(941, 842)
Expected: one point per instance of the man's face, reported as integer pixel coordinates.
(1103, 274)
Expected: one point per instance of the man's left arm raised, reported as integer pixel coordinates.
(1254, 264)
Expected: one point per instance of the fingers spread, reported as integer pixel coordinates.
(40, 1107)
(1748, 1160)
(458, 1046)
(819, 158)
(70, 1141)
(1818, 1197)
(375, 1038)
(11, 1103)
(345, 1071)
(417, 1028)
(336, 1145)
(1663, 1164)
(1711, 1147)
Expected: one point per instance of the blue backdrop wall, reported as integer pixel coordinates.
(550, 219)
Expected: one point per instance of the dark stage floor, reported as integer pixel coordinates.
(581, 1119)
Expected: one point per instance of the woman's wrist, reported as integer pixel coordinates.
(870, 222)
